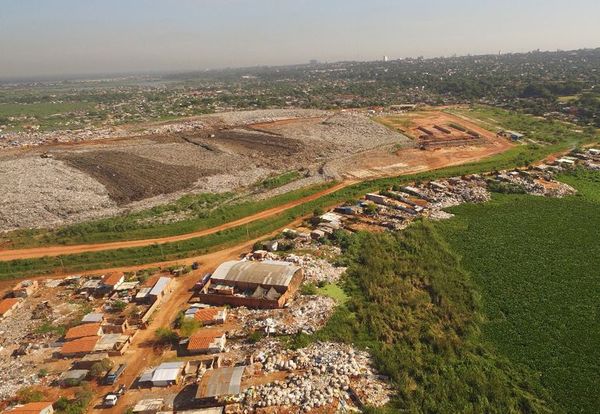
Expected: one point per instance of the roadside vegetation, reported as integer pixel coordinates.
(418, 312)
(202, 211)
(279, 180)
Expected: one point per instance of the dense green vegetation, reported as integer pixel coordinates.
(419, 315)
(494, 310)
(536, 262)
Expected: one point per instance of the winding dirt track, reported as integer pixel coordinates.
(86, 248)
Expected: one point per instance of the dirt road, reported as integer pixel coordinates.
(85, 248)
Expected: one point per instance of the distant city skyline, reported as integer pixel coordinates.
(69, 37)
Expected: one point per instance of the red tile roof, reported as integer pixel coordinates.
(207, 315)
(31, 408)
(7, 304)
(203, 338)
(81, 331)
(80, 346)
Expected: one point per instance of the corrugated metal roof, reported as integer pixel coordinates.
(219, 382)
(160, 285)
(167, 371)
(93, 317)
(271, 273)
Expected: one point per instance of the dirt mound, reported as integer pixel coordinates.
(130, 178)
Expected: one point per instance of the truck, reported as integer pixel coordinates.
(114, 374)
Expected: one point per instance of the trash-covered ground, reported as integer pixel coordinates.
(27, 336)
(322, 374)
(305, 314)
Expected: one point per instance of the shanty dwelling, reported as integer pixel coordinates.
(43, 407)
(148, 406)
(267, 284)
(116, 325)
(114, 343)
(206, 341)
(25, 288)
(113, 280)
(167, 373)
(8, 306)
(160, 289)
(207, 316)
(89, 360)
(93, 317)
(82, 331)
(73, 377)
(79, 347)
(221, 382)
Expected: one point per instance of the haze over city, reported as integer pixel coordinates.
(64, 37)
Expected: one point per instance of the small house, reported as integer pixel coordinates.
(93, 317)
(167, 373)
(113, 280)
(207, 341)
(210, 316)
(79, 347)
(42, 407)
(85, 330)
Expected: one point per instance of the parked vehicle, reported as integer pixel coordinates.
(110, 400)
(114, 374)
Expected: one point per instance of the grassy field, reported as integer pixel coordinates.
(537, 129)
(47, 115)
(536, 263)
(333, 291)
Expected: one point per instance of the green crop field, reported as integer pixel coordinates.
(536, 262)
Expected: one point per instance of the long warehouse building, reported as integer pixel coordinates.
(268, 284)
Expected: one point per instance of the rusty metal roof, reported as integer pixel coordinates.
(269, 273)
(220, 382)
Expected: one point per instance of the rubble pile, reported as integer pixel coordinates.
(458, 191)
(320, 375)
(15, 372)
(305, 314)
(316, 270)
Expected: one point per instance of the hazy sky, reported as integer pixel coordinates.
(48, 37)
